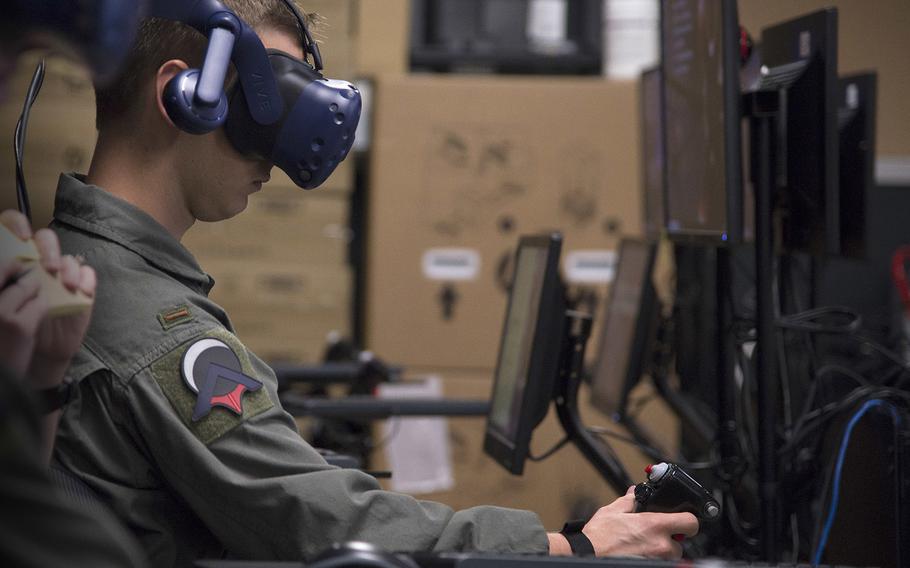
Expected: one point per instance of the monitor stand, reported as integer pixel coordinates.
(571, 370)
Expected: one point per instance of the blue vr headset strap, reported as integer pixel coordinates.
(230, 39)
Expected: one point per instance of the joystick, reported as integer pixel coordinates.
(669, 489)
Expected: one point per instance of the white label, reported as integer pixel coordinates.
(590, 266)
(451, 264)
(852, 96)
(805, 44)
(547, 21)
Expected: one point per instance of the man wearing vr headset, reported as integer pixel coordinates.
(174, 421)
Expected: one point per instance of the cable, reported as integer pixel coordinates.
(810, 396)
(835, 496)
(19, 139)
(822, 415)
(651, 452)
(558, 446)
(808, 320)
(394, 429)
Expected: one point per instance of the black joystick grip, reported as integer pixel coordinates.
(669, 489)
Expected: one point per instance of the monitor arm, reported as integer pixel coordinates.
(596, 451)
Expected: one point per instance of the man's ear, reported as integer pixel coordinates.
(167, 71)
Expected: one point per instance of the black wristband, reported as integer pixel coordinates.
(578, 542)
(56, 397)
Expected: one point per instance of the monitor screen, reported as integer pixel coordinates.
(810, 144)
(529, 352)
(521, 321)
(627, 328)
(652, 153)
(702, 119)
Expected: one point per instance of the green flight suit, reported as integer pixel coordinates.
(196, 482)
(41, 526)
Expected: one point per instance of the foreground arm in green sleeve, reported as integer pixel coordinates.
(239, 462)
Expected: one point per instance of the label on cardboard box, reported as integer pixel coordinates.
(590, 266)
(451, 264)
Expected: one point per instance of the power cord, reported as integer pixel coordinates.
(809, 320)
(556, 447)
(648, 450)
(19, 140)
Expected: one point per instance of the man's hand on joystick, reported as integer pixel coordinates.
(669, 489)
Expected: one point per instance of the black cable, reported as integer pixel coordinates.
(813, 388)
(559, 445)
(394, 430)
(649, 451)
(749, 439)
(808, 320)
(20, 135)
(739, 526)
(639, 404)
(816, 418)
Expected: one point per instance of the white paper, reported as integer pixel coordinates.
(417, 448)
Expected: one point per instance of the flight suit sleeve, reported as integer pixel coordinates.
(240, 464)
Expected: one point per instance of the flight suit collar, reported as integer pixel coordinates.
(91, 209)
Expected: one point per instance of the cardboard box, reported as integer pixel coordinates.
(562, 487)
(362, 38)
(283, 311)
(383, 37)
(335, 32)
(284, 224)
(475, 163)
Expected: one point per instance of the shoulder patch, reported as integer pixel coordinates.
(209, 381)
(175, 316)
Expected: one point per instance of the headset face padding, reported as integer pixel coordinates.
(314, 134)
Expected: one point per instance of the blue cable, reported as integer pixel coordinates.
(835, 494)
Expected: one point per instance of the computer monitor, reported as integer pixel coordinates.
(856, 121)
(628, 327)
(702, 110)
(529, 353)
(810, 151)
(652, 153)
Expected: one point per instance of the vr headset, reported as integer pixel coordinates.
(280, 109)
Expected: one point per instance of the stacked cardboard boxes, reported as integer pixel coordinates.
(473, 163)
(280, 268)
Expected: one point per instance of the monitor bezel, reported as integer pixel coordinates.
(642, 334)
(543, 365)
(859, 133)
(733, 171)
(782, 43)
(655, 233)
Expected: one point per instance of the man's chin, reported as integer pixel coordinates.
(226, 213)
